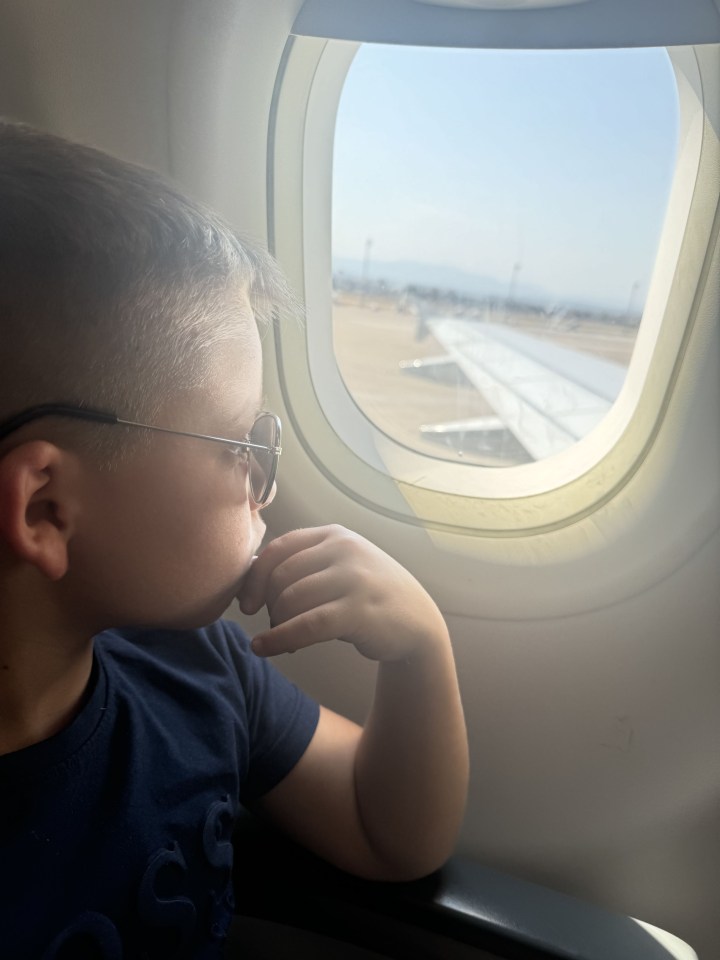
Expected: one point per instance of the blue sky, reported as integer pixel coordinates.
(480, 160)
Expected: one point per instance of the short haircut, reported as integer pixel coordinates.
(115, 288)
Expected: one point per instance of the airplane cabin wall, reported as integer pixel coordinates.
(593, 725)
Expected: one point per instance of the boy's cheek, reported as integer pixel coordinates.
(133, 585)
(145, 560)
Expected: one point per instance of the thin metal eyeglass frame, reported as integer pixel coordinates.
(99, 416)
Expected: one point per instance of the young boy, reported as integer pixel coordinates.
(135, 459)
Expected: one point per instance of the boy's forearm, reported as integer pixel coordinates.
(385, 801)
(411, 768)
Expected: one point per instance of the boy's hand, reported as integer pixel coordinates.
(325, 583)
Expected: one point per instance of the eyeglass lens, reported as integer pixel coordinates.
(262, 473)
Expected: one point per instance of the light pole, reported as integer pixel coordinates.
(517, 267)
(366, 268)
(633, 290)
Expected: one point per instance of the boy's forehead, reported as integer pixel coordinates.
(230, 393)
(235, 381)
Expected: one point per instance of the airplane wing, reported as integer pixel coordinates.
(548, 396)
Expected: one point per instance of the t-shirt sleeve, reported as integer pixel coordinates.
(281, 718)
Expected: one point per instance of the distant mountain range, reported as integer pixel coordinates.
(403, 273)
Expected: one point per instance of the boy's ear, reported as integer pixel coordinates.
(38, 505)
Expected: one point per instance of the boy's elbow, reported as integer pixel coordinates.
(412, 869)
(406, 865)
(411, 848)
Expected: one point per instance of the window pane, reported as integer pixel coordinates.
(496, 217)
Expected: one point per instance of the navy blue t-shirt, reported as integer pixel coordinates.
(115, 833)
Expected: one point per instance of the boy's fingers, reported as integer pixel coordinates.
(255, 591)
(316, 590)
(303, 572)
(314, 626)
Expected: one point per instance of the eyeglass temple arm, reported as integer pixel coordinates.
(54, 410)
(99, 416)
(276, 449)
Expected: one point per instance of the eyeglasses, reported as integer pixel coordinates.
(261, 448)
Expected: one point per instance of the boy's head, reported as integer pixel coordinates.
(118, 293)
(114, 287)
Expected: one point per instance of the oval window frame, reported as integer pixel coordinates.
(363, 462)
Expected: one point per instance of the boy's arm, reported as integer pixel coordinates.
(386, 801)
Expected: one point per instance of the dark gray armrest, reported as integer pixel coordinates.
(463, 906)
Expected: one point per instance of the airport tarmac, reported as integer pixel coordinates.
(372, 339)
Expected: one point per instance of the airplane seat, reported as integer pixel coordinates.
(291, 904)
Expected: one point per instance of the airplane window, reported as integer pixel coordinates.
(495, 221)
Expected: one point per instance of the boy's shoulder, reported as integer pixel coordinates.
(203, 672)
(207, 683)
